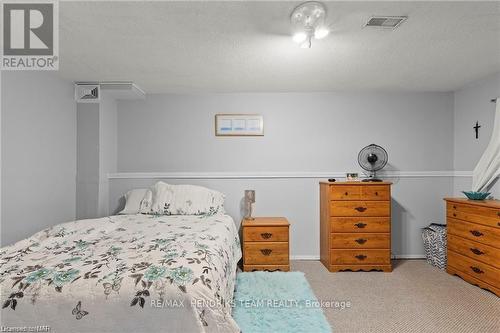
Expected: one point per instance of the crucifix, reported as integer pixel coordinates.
(476, 128)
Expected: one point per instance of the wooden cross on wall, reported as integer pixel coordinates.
(476, 128)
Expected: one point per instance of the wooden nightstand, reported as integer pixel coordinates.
(265, 244)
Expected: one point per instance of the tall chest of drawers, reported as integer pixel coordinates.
(355, 226)
(474, 241)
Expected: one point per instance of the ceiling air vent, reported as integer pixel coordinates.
(390, 22)
(87, 93)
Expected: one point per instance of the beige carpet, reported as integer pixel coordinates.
(415, 297)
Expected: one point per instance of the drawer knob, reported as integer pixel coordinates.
(476, 251)
(454, 207)
(376, 193)
(266, 252)
(360, 240)
(360, 209)
(476, 233)
(360, 257)
(477, 270)
(266, 235)
(360, 225)
(454, 214)
(346, 193)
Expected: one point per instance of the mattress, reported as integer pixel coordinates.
(130, 273)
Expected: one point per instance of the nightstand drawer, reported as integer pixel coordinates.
(360, 208)
(361, 241)
(270, 253)
(363, 257)
(265, 234)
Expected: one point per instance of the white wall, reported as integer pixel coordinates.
(472, 103)
(38, 153)
(304, 133)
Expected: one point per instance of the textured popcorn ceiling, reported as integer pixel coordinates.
(192, 47)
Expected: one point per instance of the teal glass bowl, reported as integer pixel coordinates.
(476, 195)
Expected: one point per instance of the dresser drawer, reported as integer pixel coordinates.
(362, 257)
(476, 232)
(265, 234)
(477, 269)
(360, 208)
(375, 192)
(345, 192)
(475, 214)
(266, 253)
(357, 224)
(361, 241)
(474, 250)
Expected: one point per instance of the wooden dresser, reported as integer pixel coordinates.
(355, 230)
(474, 241)
(266, 244)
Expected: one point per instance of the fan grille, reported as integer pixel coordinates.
(372, 158)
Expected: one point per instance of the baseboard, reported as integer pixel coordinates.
(304, 257)
(408, 256)
(395, 256)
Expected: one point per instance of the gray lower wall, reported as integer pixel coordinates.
(319, 132)
(416, 202)
(38, 153)
(472, 103)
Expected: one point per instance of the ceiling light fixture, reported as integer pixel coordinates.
(308, 22)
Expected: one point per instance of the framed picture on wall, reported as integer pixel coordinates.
(239, 125)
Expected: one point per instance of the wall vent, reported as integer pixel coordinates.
(388, 22)
(87, 93)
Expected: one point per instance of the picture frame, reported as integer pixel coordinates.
(352, 177)
(239, 125)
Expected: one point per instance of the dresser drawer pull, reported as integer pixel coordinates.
(266, 252)
(376, 193)
(266, 235)
(477, 270)
(360, 241)
(476, 233)
(346, 193)
(360, 225)
(360, 209)
(360, 257)
(454, 214)
(454, 207)
(476, 251)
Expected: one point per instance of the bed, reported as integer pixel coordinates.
(125, 273)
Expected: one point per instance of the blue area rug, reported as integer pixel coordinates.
(277, 302)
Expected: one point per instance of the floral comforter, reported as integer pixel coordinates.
(130, 273)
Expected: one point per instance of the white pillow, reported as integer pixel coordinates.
(136, 201)
(162, 194)
(146, 203)
(194, 200)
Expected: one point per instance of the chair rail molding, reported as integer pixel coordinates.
(277, 175)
